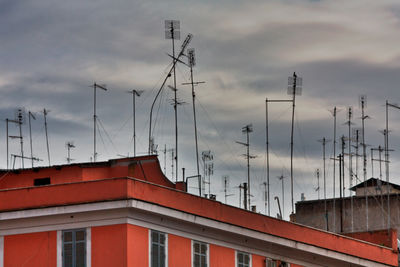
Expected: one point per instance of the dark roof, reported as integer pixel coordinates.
(373, 182)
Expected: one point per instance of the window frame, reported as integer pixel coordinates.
(165, 245)
(237, 252)
(207, 251)
(74, 243)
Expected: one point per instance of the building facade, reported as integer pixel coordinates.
(126, 213)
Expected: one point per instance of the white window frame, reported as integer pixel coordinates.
(1, 251)
(166, 246)
(243, 252)
(88, 247)
(192, 251)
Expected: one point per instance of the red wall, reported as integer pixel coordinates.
(36, 249)
(138, 246)
(109, 245)
(258, 261)
(221, 256)
(179, 251)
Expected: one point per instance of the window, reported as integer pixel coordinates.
(158, 249)
(41, 181)
(242, 259)
(271, 263)
(74, 248)
(200, 254)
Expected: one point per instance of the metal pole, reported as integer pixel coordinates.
(30, 135)
(350, 168)
(134, 122)
(267, 148)
(324, 159)
(248, 169)
(20, 138)
(47, 138)
(195, 125)
(175, 103)
(94, 122)
(387, 164)
(334, 169)
(7, 140)
(291, 139)
(363, 117)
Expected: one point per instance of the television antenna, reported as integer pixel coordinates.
(247, 130)
(172, 31)
(387, 154)
(175, 60)
(225, 181)
(19, 119)
(30, 115)
(295, 84)
(134, 94)
(208, 165)
(363, 104)
(45, 112)
(192, 62)
(281, 178)
(324, 141)
(317, 172)
(69, 145)
(104, 88)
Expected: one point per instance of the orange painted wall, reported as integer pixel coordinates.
(138, 246)
(179, 251)
(36, 249)
(257, 261)
(109, 245)
(221, 256)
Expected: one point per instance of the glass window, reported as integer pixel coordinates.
(242, 259)
(200, 254)
(74, 248)
(271, 263)
(158, 248)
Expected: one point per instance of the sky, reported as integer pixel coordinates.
(51, 52)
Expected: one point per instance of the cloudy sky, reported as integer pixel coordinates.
(51, 52)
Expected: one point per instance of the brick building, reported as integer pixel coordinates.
(126, 213)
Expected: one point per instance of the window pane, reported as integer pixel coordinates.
(196, 260)
(154, 237)
(196, 247)
(80, 235)
(203, 249)
(203, 261)
(162, 239)
(80, 254)
(67, 255)
(67, 236)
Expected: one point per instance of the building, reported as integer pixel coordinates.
(350, 212)
(126, 213)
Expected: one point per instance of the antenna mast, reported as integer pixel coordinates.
(363, 100)
(30, 115)
(45, 112)
(246, 130)
(192, 62)
(317, 189)
(294, 88)
(324, 141)
(283, 195)
(134, 94)
(172, 31)
(69, 145)
(102, 87)
(208, 165)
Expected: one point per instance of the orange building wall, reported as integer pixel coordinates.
(109, 245)
(257, 261)
(179, 251)
(221, 256)
(36, 249)
(138, 246)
